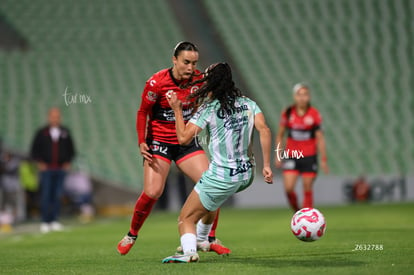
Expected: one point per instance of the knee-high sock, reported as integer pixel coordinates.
(189, 243)
(202, 231)
(142, 209)
(293, 200)
(308, 199)
(213, 229)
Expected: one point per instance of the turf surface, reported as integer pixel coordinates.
(260, 239)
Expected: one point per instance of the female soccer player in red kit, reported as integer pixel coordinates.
(158, 141)
(305, 138)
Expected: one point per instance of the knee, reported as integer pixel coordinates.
(289, 189)
(307, 188)
(182, 218)
(187, 218)
(153, 194)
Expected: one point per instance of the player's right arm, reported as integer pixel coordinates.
(265, 142)
(148, 99)
(185, 132)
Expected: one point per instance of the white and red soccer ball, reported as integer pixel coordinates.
(308, 224)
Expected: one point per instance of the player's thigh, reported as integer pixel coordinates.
(194, 166)
(289, 180)
(155, 175)
(308, 170)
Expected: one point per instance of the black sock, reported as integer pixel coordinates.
(211, 239)
(132, 236)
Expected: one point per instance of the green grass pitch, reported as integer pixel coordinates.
(260, 239)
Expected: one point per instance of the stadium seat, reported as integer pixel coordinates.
(350, 59)
(105, 50)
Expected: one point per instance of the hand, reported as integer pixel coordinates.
(278, 163)
(325, 167)
(174, 102)
(143, 148)
(267, 174)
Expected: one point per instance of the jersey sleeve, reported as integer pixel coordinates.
(202, 116)
(148, 99)
(317, 120)
(256, 108)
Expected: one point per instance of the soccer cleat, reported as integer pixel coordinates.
(205, 246)
(188, 258)
(219, 249)
(45, 228)
(125, 244)
(56, 226)
(217, 246)
(214, 240)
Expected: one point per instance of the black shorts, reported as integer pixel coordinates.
(174, 152)
(307, 166)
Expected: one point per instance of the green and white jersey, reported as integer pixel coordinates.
(230, 137)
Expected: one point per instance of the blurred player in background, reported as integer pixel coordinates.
(29, 180)
(229, 118)
(9, 191)
(158, 141)
(305, 138)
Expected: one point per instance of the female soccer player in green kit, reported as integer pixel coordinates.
(229, 117)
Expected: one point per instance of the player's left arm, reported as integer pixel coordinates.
(320, 141)
(265, 136)
(185, 132)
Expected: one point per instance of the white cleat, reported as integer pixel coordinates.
(44, 228)
(189, 258)
(56, 226)
(203, 246)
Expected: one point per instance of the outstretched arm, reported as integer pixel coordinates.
(265, 142)
(185, 132)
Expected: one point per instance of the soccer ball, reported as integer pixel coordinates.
(308, 224)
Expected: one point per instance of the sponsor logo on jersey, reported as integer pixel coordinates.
(151, 96)
(236, 123)
(242, 167)
(169, 93)
(300, 135)
(222, 113)
(308, 120)
(152, 82)
(168, 114)
(194, 89)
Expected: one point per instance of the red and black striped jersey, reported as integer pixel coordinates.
(155, 107)
(301, 130)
